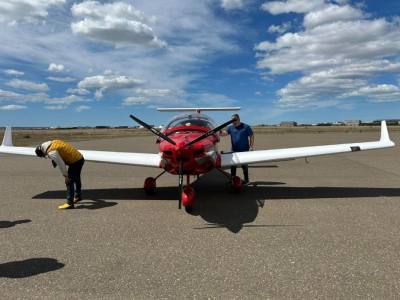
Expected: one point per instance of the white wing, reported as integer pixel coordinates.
(127, 158)
(238, 158)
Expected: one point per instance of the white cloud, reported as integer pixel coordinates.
(61, 79)
(55, 68)
(378, 93)
(198, 37)
(66, 101)
(154, 92)
(103, 83)
(232, 4)
(26, 11)
(12, 107)
(295, 6)
(339, 52)
(332, 13)
(135, 101)
(81, 108)
(8, 94)
(240, 71)
(280, 28)
(78, 91)
(118, 23)
(56, 107)
(28, 85)
(13, 72)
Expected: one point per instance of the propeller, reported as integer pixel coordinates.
(153, 130)
(210, 132)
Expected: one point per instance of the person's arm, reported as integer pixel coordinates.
(252, 147)
(223, 133)
(251, 138)
(55, 156)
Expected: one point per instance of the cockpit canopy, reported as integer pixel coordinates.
(194, 119)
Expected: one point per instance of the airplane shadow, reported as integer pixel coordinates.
(8, 224)
(220, 207)
(29, 267)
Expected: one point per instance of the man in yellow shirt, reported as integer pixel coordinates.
(62, 155)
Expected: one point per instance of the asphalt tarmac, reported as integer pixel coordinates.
(326, 228)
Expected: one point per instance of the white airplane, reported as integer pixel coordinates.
(188, 146)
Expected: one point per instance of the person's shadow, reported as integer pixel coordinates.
(8, 224)
(29, 267)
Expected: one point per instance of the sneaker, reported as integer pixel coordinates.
(245, 182)
(66, 206)
(77, 199)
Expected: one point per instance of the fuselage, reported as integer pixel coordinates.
(194, 159)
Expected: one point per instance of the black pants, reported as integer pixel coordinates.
(74, 186)
(245, 169)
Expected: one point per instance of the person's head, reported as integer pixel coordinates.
(236, 120)
(39, 151)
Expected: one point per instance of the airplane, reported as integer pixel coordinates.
(188, 146)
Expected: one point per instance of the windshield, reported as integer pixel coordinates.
(194, 119)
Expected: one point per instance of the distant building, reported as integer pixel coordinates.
(288, 124)
(352, 122)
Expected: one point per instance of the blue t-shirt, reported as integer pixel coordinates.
(240, 137)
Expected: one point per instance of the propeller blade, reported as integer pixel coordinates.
(153, 130)
(210, 132)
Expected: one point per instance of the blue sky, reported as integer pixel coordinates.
(70, 63)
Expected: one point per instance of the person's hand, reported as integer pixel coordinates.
(67, 180)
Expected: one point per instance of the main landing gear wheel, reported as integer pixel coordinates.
(150, 186)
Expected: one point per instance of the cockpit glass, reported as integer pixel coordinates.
(191, 120)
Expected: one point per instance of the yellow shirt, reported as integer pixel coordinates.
(68, 153)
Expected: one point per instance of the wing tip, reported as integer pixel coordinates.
(7, 139)
(385, 134)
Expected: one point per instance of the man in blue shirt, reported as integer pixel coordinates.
(242, 138)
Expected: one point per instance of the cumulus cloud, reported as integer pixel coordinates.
(294, 6)
(12, 107)
(28, 85)
(339, 51)
(55, 68)
(135, 101)
(13, 72)
(78, 91)
(103, 83)
(118, 23)
(61, 79)
(8, 94)
(26, 11)
(81, 108)
(280, 28)
(232, 4)
(154, 92)
(56, 107)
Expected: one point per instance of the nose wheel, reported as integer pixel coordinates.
(237, 185)
(186, 193)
